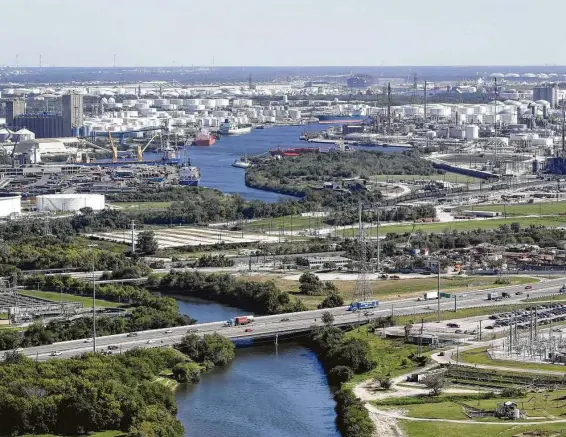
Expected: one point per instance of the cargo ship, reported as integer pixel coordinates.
(189, 175)
(229, 128)
(354, 117)
(295, 151)
(204, 139)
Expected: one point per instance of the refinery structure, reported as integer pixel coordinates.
(89, 140)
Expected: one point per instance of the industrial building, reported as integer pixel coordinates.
(69, 202)
(546, 92)
(10, 205)
(47, 124)
(14, 108)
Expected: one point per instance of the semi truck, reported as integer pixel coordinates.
(239, 321)
(431, 295)
(494, 296)
(363, 305)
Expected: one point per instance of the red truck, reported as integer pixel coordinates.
(239, 321)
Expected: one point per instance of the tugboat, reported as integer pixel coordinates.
(241, 163)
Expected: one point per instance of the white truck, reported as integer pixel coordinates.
(429, 296)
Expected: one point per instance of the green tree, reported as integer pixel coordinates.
(340, 374)
(187, 372)
(331, 301)
(147, 244)
(327, 318)
(310, 284)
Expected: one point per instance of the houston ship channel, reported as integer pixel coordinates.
(396, 263)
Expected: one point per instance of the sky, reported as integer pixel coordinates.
(282, 32)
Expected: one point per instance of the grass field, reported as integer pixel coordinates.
(465, 225)
(56, 297)
(459, 314)
(547, 208)
(388, 354)
(287, 222)
(505, 429)
(480, 356)
(448, 177)
(140, 205)
(391, 289)
(94, 434)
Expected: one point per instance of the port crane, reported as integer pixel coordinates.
(113, 147)
(142, 150)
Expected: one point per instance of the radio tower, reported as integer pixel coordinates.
(363, 289)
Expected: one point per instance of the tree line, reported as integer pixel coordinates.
(89, 394)
(259, 297)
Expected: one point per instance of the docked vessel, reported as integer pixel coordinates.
(241, 163)
(353, 117)
(294, 151)
(229, 128)
(189, 175)
(204, 139)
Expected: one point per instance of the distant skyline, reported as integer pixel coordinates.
(282, 33)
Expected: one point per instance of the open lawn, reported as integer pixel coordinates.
(56, 297)
(505, 429)
(448, 177)
(391, 289)
(480, 356)
(94, 434)
(140, 205)
(391, 356)
(465, 225)
(285, 224)
(546, 208)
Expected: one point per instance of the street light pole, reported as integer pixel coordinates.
(93, 301)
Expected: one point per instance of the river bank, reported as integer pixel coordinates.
(266, 390)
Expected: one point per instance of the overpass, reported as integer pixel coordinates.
(294, 323)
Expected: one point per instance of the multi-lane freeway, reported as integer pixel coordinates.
(269, 326)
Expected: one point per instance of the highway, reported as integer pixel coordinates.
(265, 326)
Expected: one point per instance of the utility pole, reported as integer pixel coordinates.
(389, 106)
(93, 300)
(133, 226)
(425, 101)
(438, 291)
(378, 255)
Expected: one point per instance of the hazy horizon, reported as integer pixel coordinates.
(279, 33)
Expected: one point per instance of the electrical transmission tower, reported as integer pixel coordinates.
(363, 289)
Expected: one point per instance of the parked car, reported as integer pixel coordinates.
(113, 347)
(56, 353)
(528, 287)
(249, 330)
(169, 331)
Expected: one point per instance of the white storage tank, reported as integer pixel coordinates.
(69, 202)
(10, 205)
(472, 132)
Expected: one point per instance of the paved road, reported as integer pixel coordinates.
(296, 322)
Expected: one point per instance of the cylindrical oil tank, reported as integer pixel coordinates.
(69, 202)
(10, 205)
(472, 132)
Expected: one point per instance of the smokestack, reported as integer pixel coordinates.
(544, 112)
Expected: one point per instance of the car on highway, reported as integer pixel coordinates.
(88, 340)
(489, 327)
(528, 287)
(169, 331)
(518, 293)
(285, 319)
(452, 325)
(193, 330)
(19, 349)
(149, 341)
(133, 334)
(369, 313)
(249, 330)
(56, 353)
(113, 347)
